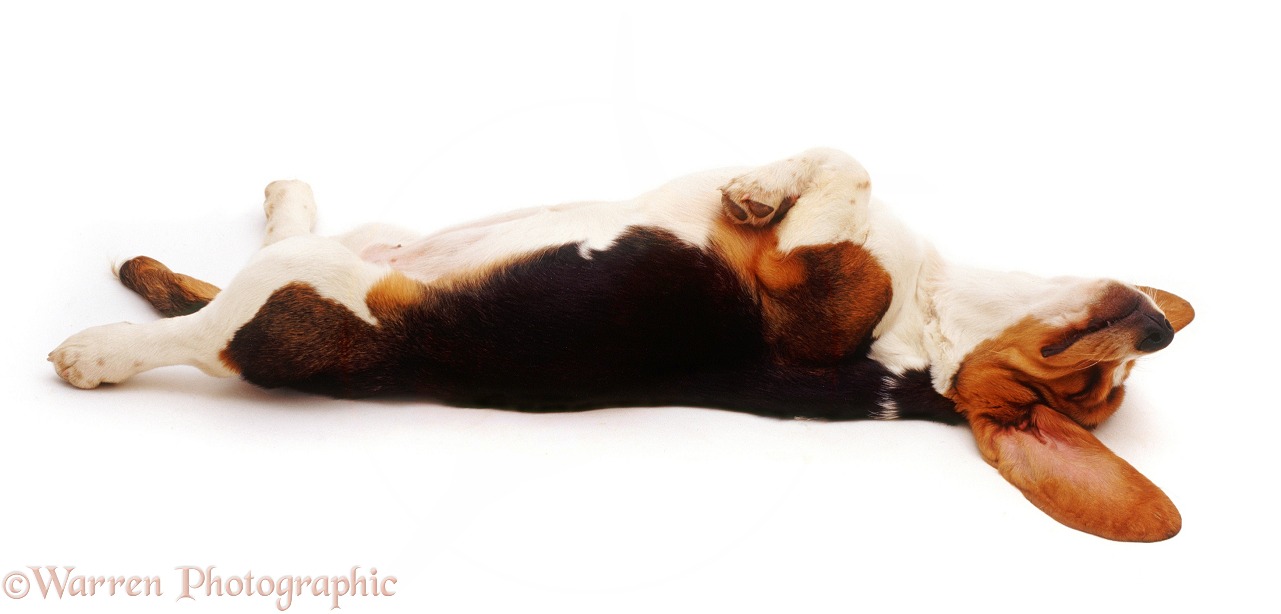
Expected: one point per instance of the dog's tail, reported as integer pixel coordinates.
(172, 294)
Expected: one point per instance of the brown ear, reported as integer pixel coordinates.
(1064, 470)
(1178, 311)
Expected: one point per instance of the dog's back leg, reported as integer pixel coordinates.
(290, 209)
(172, 294)
(326, 268)
(329, 272)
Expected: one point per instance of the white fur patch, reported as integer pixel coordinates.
(835, 191)
(686, 207)
(886, 407)
(900, 335)
(833, 207)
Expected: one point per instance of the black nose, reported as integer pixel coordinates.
(1157, 333)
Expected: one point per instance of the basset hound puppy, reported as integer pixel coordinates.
(782, 290)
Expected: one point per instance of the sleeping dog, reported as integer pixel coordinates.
(782, 290)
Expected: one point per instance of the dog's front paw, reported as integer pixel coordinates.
(763, 195)
(96, 355)
(748, 209)
(759, 198)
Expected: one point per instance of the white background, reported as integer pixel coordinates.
(1137, 141)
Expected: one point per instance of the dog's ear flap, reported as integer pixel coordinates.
(1064, 470)
(1178, 311)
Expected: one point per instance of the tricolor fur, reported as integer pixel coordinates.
(782, 290)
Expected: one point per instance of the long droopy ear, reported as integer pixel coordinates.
(1064, 470)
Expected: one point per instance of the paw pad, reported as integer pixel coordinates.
(752, 212)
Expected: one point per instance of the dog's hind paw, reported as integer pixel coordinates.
(290, 209)
(94, 356)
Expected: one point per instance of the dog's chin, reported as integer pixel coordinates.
(1114, 344)
(1130, 332)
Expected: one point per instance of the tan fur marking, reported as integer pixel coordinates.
(392, 294)
(818, 302)
(224, 357)
(1005, 374)
(470, 277)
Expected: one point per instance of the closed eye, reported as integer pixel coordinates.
(1095, 325)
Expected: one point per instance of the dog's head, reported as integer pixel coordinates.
(1031, 391)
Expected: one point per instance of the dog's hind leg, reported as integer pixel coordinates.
(329, 272)
(290, 209)
(333, 277)
(172, 294)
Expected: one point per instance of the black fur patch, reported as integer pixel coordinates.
(651, 321)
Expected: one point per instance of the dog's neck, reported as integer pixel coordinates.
(942, 311)
(968, 306)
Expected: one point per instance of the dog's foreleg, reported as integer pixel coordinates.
(818, 197)
(825, 199)
(794, 230)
